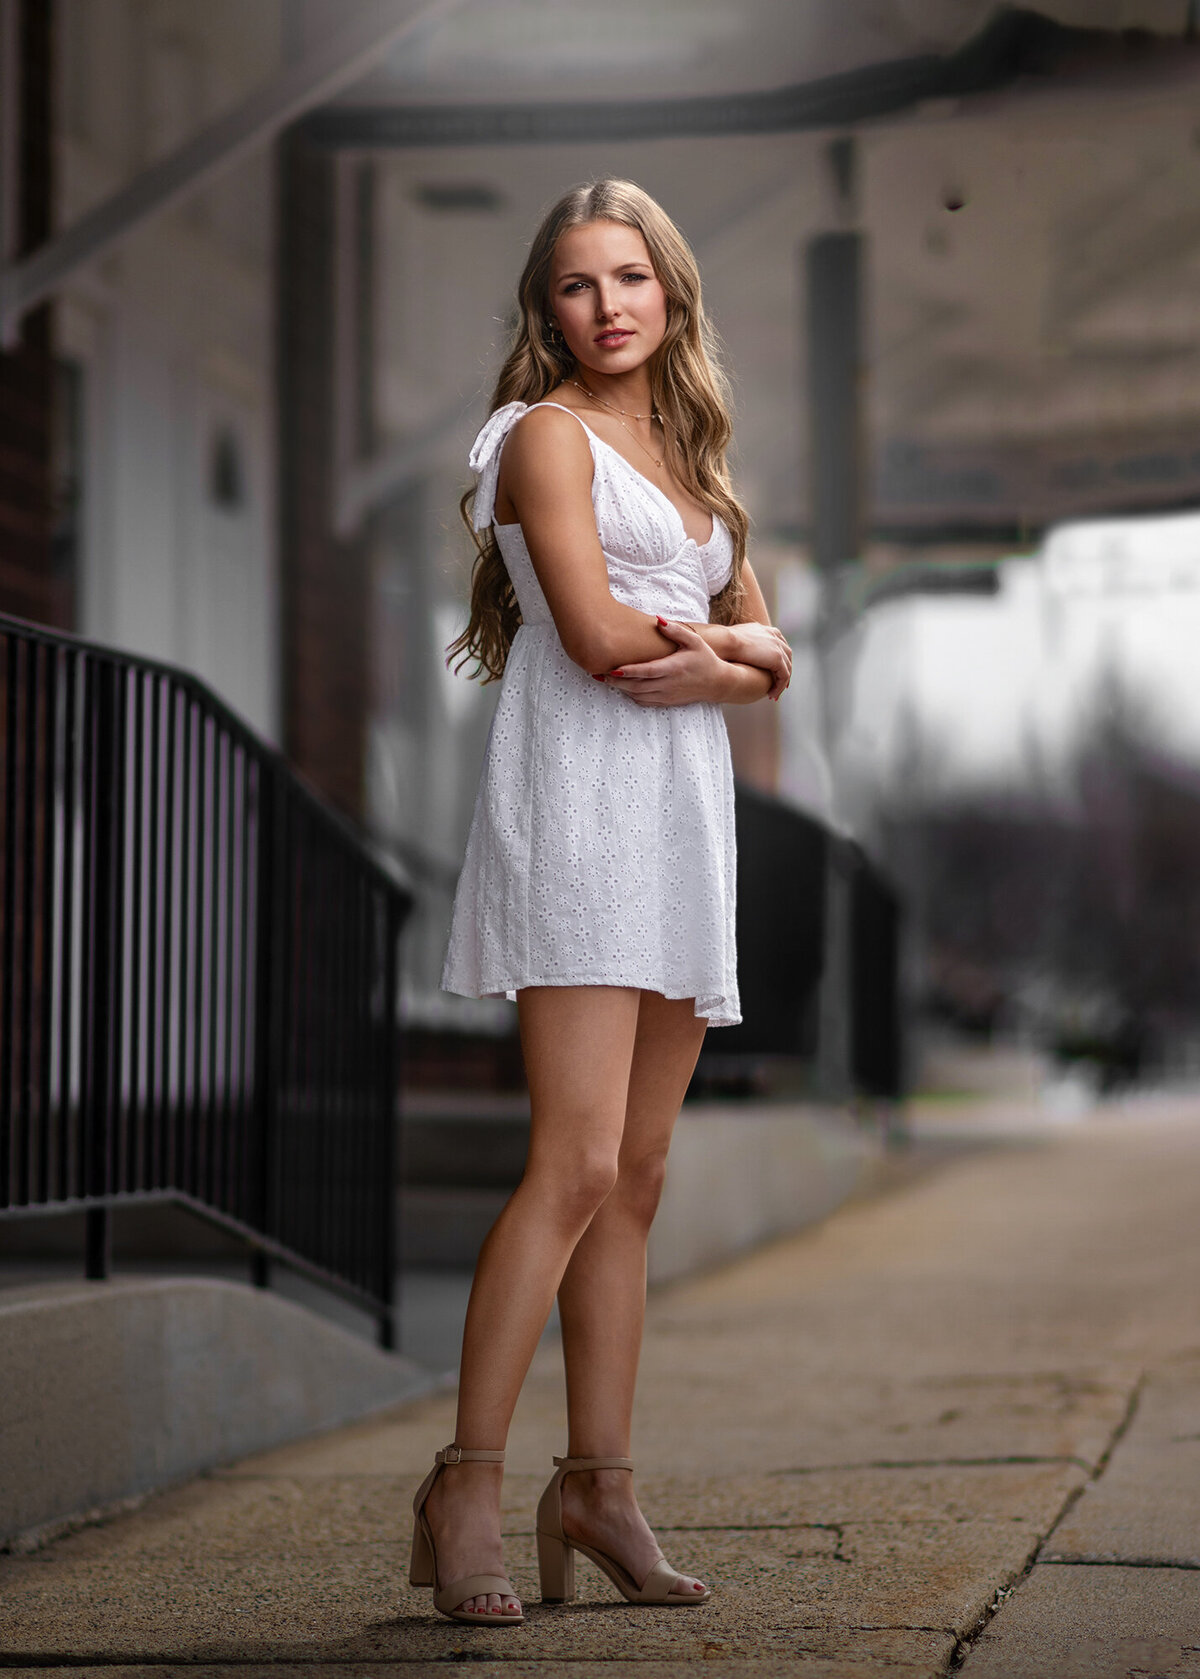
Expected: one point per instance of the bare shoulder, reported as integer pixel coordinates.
(544, 430)
(547, 453)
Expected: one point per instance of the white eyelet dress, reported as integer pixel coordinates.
(601, 851)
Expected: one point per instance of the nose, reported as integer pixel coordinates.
(607, 304)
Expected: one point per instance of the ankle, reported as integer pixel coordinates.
(469, 1483)
(599, 1486)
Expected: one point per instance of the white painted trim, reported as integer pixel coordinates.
(330, 66)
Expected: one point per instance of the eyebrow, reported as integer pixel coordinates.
(634, 262)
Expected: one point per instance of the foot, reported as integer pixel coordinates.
(600, 1509)
(463, 1508)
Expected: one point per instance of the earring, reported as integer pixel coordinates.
(554, 332)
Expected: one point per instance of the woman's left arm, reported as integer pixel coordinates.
(733, 664)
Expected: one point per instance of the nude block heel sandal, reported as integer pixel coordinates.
(422, 1570)
(556, 1553)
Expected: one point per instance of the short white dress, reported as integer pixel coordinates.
(601, 850)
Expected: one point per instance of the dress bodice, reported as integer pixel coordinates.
(653, 565)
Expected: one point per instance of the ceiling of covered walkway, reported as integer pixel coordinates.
(1028, 182)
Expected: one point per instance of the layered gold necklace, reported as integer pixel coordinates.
(627, 414)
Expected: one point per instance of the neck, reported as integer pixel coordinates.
(630, 391)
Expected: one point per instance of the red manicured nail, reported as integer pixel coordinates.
(616, 673)
(661, 619)
(597, 676)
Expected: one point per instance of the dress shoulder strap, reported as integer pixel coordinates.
(565, 410)
(484, 459)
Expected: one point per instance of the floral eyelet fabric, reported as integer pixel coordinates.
(601, 851)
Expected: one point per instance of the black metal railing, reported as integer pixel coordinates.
(787, 862)
(198, 974)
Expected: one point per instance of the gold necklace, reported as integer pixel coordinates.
(627, 412)
(618, 412)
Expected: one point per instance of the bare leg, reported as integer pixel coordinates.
(602, 1297)
(578, 1044)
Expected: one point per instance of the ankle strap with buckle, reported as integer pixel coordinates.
(463, 1454)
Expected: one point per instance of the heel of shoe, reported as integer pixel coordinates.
(556, 1569)
(420, 1568)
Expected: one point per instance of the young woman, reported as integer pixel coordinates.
(613, 595)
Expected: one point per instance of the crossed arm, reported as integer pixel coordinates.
(546, 480)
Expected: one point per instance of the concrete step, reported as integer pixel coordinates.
(443, 1228)
(464, 1141)
(462, 1154)
(174, 1375)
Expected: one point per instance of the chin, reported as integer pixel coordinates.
(623, 360)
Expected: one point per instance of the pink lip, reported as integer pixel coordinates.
(615, 337)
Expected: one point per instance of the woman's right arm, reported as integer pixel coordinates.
(546, 473)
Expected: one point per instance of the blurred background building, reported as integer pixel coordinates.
(259, 266)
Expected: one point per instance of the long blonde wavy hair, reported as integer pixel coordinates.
(688, 389)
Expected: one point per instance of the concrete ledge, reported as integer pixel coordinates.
(111, 1390)
(740, 1174)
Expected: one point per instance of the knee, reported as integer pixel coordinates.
(576, 1186)
(640, 1185)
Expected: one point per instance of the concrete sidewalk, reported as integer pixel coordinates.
(954, 1428)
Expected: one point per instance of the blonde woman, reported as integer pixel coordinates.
(612, 594)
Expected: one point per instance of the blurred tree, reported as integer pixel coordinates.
(1070, 905)
(1134, 922)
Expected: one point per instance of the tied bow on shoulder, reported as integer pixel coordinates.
(484, 461)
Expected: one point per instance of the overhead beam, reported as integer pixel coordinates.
(377, 26)
(1016, 45)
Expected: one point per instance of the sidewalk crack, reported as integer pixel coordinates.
(1117, 1562)
(1004, 1592)
(1012, 1458)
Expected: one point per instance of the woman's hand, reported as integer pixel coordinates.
(767, 648)
(693, 672)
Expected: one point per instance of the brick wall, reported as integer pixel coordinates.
(324, 581)
(28, 586)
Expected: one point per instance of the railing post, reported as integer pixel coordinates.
(8, 913)
(390, 1119)
(270, 870)
(101, 974)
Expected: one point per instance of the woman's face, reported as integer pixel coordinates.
(606, 298)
